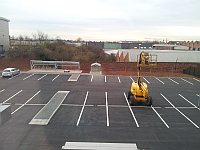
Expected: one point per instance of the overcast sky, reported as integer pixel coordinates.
(112, 20)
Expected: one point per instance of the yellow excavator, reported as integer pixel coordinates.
(139, 94)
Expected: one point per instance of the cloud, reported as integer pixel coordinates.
(104, 19)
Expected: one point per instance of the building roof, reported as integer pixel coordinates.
(4, 19)
(168, 45)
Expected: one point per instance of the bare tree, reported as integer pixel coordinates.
(40, 36)
(20, 38)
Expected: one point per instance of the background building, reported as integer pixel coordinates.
(4, 35)
(186, 56)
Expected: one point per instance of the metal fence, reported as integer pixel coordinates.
(69, 65)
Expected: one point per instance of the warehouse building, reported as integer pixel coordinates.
(186, 56)
(4, 35)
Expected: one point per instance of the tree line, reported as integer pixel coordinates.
(57, 50)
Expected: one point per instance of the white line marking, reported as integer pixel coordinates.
(91, 78)
(182, 107)
(159, 80)
(12, 96)
(14, 77)
(105, 79)
(186, 81)
(42, 77)
(188, 101)
(119, 80)
(77, 105)
(131, 111)
(86, 96)
(74, 78)
(28, 77)
(2, 90)
(173, 81)
(107, 109)
(55, 77)
(179, 111)
(25, 102)
(146, 80)
(196, 79)
(32, 104)
(160, 117)
(132, 79)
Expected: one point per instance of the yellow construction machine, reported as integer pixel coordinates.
(139, 94)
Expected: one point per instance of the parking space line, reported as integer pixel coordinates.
(14, 77)
(186, 81)
(25, 102)
(32, 104)
(74, 77)
(105, 79)
(119, 79)
(42, 77)
(91, 78)
(179, 111)
(107, 109)
(188, 101)
(79, 118)
(198, 100)
(160, 117)
(77, 105)
(146, 80)
(160, 80)
(13, 96)
(132, 79)
(173, 81)
(131, 111)
(196, 79)
(2, 90)
(181, 107)
(56, 77)
(28, 76)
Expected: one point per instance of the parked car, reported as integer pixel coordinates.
(10, 72)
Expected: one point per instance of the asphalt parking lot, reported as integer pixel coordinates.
(95, 109)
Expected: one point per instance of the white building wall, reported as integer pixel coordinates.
(166, 55)
(4, 33)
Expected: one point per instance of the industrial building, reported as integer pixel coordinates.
(4, 35)
(186, 56)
